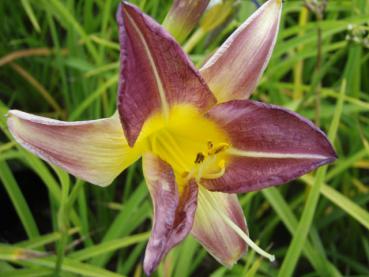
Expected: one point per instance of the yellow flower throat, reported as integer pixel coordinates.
(192, 144)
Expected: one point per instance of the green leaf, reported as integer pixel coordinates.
(19, 203)
(29, 257)
(108, 246)
(28, 8)
(350, 207)
(295, 248)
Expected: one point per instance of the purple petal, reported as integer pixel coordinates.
(155, 72)
(210, 229)
(173, 210)
(183, 17)
(235, 69)
(95, 151)
(269, 146)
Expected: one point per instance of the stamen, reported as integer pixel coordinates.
(218, 174)
(199, 173)
(210, 145)
(247, 239)
(185, 174)
(237, 229)
(188, 175)
(199, 158)
(219, 148)
(221, 164)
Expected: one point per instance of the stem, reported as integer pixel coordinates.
(317, 69)
(303, 228)
(298, 70)
(318, 9)
(73, 195)
(193, 40)
(62, 221)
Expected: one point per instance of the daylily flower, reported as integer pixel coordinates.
(201, 140)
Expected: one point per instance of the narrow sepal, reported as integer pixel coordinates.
(95, 151)
(183, 16)
(236, 67)
(269, 146)
(173, 210)
(155, 73)
(210, 229)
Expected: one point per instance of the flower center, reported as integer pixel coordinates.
(191, 143)
(208, 165)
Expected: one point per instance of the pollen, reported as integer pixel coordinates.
(185, 174)
(219, 148)
(199, 158)
(212, 164)
(210, 145)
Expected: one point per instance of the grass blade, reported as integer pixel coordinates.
(18, 201)
(294, 251)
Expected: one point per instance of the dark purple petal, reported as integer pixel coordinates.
(155, 72)
(210, 229)
(235, 69)
(269, 146)
(173, 210)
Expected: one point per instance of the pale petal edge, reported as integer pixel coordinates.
(93, 150)
(234, 70)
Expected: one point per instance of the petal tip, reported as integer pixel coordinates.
(235, 69)
(331, 154)
(277, 3)
(331, 158)
(148, 268)
(67, 144)
(11, 116)
(122, 8)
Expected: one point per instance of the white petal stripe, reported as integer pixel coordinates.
(270, 155)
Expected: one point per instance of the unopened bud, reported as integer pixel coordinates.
(183, 17)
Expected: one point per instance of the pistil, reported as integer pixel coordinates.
(212, 203)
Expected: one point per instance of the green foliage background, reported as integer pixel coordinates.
(59, 58)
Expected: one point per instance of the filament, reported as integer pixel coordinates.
(235, 227)
(247, 239)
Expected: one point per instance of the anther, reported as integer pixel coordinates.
(199, 158)
(210, 145)
(221, 147)
(185, 174)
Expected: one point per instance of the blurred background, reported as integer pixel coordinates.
(60, 58)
